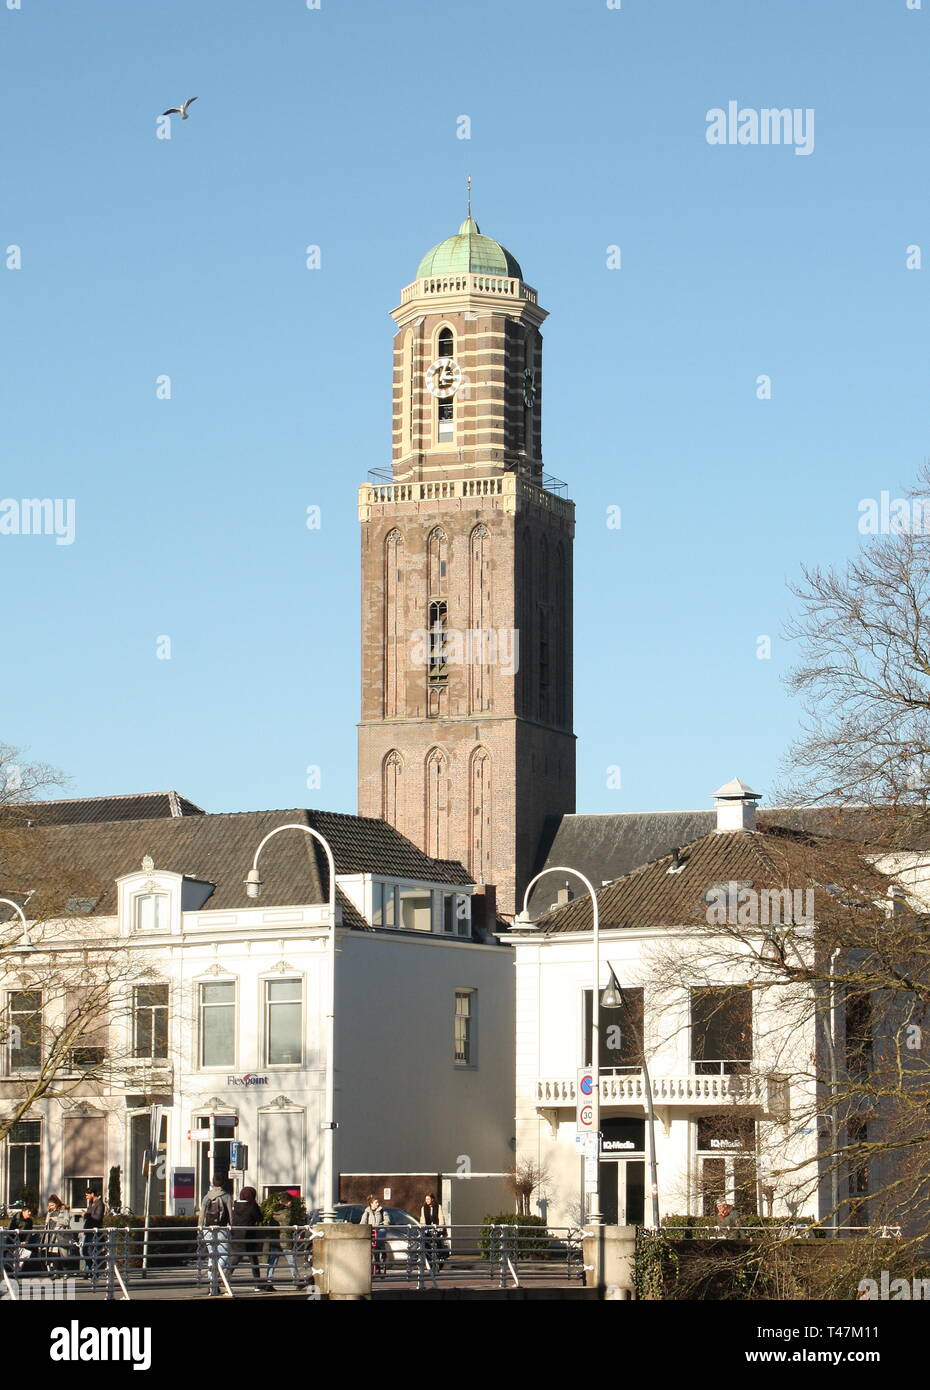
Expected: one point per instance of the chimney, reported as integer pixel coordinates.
(736, 806)
(563, 896)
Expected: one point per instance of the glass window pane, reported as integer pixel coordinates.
(219, 994)
(284, 1035)
(416, 909)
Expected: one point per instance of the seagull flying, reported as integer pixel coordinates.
(179, 110)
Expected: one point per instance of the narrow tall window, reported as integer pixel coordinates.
(445, 404)
(24, 1030)
(620, 1030)
(464, 1027)
(218, 1025)
(150, 1021)
(283, 1023)
(23, 1149)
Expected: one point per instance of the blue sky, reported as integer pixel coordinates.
(337, 127)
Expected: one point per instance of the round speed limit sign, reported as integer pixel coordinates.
(587, 1115)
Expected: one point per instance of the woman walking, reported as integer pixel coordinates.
(433, 1221)
(245, 1240)
(59, 1240)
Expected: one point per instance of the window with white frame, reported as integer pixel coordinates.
(284, 1007)
(150, 1021)
(416, 909)
(384, 905)
(22, 1030)
(218, 1024)
(150, 912)
(455, 919)
(23, 1148)
(464, 1053)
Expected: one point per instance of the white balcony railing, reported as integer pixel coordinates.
(629, 1088)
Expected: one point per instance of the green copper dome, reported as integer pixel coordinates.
(468, 252)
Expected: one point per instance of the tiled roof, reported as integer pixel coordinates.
(88, 810)
(775, 859)
(605, 847)
(219, 849)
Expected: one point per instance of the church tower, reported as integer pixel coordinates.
(465, 740)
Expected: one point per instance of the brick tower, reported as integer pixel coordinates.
(465, 740)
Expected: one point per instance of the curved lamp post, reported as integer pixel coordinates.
(28, 943)
(523, 920)
(253, 887)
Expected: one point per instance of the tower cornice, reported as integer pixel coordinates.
(450, 294)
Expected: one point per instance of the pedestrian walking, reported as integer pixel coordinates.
(213, 1225)
(92, 1243)
(377, 1218)
(59, 1240)
(245, 1237)
(282, 1240)
(433, 1221)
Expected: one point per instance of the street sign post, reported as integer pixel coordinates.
(584, 1094)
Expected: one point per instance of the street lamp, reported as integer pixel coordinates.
(614, 998)
(523, 920)
(28, 943)
(253, 887)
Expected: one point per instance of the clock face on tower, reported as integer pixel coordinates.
(443, 378)
(529, 387)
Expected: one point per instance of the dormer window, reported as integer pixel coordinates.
(150, 912)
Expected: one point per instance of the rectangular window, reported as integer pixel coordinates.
(416, 909)
(721, 1031)
(726, 1146)
(150, 1021)
(383, 912)
(621, 1032)
(151, 912)
(218, 1025)
(24, 1031)
(858, 1034)
(23, 1148)
(283, 1023)
(464, 1027)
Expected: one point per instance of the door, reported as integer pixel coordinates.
(622, 1185)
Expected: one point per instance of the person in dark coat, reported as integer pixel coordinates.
(92, 1244)
(245, 1241)
(24, 1244)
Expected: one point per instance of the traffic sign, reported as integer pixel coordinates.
(584, 1092)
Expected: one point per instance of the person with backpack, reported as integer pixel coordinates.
(215, 1220)
(245, 1239)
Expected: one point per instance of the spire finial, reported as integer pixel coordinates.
(468, 184)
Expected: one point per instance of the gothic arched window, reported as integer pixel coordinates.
(392, 770)
(437, 804)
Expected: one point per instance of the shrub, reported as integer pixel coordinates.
(518, 1243)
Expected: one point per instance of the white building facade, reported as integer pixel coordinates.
(225, 1027)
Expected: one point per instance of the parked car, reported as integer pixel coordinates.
(397, 1241)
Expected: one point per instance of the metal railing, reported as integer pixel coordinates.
(126, 1262)
(115, 1261)
(508, 1256)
